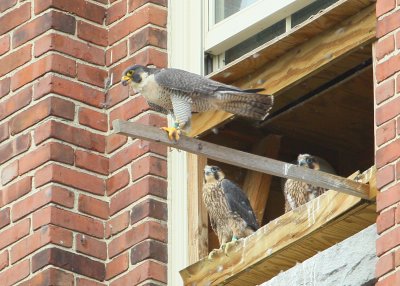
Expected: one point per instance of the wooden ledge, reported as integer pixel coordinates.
(291, 238)
(245, 160)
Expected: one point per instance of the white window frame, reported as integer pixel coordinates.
(245, 23)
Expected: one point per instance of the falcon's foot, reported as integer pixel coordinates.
(228, 245)
(213, 253)
(173, 132)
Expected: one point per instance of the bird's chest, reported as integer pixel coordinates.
(214, 199)
(154, 93)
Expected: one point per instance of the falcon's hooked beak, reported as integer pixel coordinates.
(125, 80)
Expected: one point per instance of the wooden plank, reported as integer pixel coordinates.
(314, 225)
(243, 159)
(256, 184)
(197, 212)
(300, 63)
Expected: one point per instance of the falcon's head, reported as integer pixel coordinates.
(308, 161)
(134, 75)
(213, 174)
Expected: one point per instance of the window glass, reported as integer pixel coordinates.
(226, 8)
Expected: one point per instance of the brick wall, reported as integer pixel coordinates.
(387, 154)
(79, 206)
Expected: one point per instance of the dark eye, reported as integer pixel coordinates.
(213, 169)
(309, 160)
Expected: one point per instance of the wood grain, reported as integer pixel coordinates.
(243, 159)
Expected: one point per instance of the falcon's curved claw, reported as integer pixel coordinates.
(228, 245)
(173, 132)
(213, 252)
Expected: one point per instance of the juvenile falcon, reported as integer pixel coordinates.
(180, 93)
(230, 212)
(298, 193)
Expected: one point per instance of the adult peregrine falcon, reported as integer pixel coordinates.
(180, 92)
(231, 215)
(298, 193)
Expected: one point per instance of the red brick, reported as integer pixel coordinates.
(397, 258)
(384, 91)
(15, 273)
(134, 4)
(69, 261)
(70, 134)
(50, 276)
(15, 59)
(389, 67)
(82, 8)
(117, 94)
(45, 235)
(70, 89)
(4, 86)
(388, 197)
(146, 186)
(117, 182)
(149, 249)
(149, 209)
(15, 103)
(384, 6)
(145, 271)
(384, 265)
(51, 106)
(388, 24)
(397, 214)
(15, 191)
(385, 220)
(86, 282)
(4, 44)
(117, 52)
(6, 4)
(15, 17)
(76, 179)
(4, 133)
(387, 111)
(151, 119)
(92, 206)
(64, 44)
(384, 47)
(52, 20)
(51, 194)
(388, 241)
(385, 176)
(390, 280)
(117, 224)
(387, 154)
(93, 119)
(149, 166)
(149, 36)
(4, 260)
(143, 16)
(91, 246)
(14, 233)
(92, 75)
(116, 266)
(67, 219)
(146, 56)
(9, 172)
(116, 12)
(129, 109)
(53, 151)
(4, 218)
(51, 63)
(92, 34)
(114, 141)
(146, 230)
(14, 147)
(91, 162)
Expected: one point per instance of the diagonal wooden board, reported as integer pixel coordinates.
(245, 160)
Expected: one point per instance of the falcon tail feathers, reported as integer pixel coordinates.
(251, 105)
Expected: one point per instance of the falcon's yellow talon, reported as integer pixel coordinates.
(173, 133)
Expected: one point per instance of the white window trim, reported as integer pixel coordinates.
(247, 22)
(185, 51)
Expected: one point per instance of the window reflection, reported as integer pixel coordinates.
(226, 8)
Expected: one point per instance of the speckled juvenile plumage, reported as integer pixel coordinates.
(229, 209)
(298, 193)
(181, 93)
